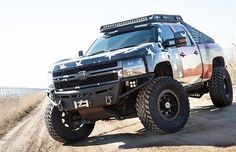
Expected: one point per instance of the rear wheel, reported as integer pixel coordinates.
(220, 87)
(62, 127)
(163, 107)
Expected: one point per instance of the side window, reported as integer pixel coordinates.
(179, 29)
(165, 33)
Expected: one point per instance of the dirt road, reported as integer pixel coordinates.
(208, 129)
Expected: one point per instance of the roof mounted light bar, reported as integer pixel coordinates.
(141, 20)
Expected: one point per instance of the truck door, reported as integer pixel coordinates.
(166, 33)
(191, 60)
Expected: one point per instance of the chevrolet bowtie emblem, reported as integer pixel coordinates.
(82, 75)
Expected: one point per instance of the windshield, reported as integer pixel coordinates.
(114, 42)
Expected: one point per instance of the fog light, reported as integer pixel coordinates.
(133, 84)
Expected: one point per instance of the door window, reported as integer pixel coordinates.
(179, 28)
(165, 33)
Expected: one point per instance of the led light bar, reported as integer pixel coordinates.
(124, 23)
(141, 20)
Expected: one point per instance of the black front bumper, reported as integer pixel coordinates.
(86, 98)
(97, 96)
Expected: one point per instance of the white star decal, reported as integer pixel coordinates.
(78, 63)
(150, 52)
(62, 66)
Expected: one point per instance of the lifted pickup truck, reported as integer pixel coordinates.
(145, 67)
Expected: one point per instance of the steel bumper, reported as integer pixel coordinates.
(85, 98)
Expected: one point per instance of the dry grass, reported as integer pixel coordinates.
(12, 109)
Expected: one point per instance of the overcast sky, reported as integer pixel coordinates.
(35, 33)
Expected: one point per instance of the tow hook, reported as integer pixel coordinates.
(108, 99)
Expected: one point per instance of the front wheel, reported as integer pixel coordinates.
(61, 127)
(163, 106)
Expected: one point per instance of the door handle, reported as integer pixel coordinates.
(182, 54)
(196, 52)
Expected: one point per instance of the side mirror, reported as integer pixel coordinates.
(180, 38)
(169, 43)
(80, 53)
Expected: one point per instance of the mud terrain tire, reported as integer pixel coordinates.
(155, 102)
(58, 131)
(220, 87)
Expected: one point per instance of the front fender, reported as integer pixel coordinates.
(155, 54)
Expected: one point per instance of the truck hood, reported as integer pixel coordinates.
(117, 55)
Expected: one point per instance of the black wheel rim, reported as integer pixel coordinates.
(168, 105)
(67, 121)
(226, 87)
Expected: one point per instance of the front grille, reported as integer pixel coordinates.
(84, 68)
(88, 81)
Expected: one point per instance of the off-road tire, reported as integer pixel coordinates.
(59, 132)
(147, 108)
(220, 87)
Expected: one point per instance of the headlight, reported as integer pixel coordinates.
(50, 81)
(133, 67)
